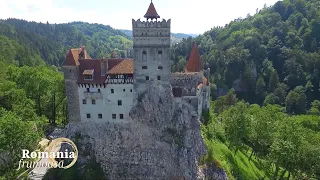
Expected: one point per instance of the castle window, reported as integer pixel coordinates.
(144, 55)
(112, 91)
(121, 116)
(88, 115)
(160, 67)
(190, 101)
(93, 101)
(119, 103)
(98, 90)
(114, 116)
(144, 67)
(159, 78)
(70, 70)
(124, 90)
(159, 52)
(147, 78)
(130, 90)
(100, 116)
(88, 77)
(84, 101)
(88, 89)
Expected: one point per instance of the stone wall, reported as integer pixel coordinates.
(71, 77)
(151, 53)
(163, 140)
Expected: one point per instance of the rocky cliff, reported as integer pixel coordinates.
(162, 141)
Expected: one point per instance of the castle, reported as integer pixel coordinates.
(103, 90)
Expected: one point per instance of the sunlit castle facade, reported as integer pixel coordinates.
(103, 90)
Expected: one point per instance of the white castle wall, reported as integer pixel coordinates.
(106, 103)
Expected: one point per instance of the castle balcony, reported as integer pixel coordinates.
(92, 95)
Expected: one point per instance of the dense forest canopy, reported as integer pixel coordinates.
(271, 57)
(52, 41)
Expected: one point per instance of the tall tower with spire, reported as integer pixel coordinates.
(151, 51)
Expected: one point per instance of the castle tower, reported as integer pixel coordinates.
(151, 51)
(70, 70)
(194, 62)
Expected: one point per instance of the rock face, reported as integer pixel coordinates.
(162, 141)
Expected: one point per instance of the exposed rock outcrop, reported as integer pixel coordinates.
(162, 141)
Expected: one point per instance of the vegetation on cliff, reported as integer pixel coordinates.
(256, 142)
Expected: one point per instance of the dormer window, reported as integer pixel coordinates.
(88, 74)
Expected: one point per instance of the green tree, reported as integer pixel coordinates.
(296, 101)
(315, 108)
(260, 90)
(237, 125)
(274, 80)
(16, 135)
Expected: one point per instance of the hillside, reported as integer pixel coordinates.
(265, 57)
(51, 41)
(175, 37)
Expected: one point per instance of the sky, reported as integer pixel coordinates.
(187, 16)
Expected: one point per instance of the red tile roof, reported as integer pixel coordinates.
(194, 62)
(90, 64)
(124, 67)
(72, 58)
(115, 66)
(151, 12)
(113, 62)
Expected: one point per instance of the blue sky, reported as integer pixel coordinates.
(187, 16)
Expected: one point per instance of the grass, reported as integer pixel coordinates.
(237, 166)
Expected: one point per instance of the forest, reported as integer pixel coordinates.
(264, 122)
(32, 92)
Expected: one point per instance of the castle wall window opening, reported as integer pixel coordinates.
(84, 101)
(114, 116)
(121, 116)
(88, 115)
(100, 116)
(119, 103)
(93, 101)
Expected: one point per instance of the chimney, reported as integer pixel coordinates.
(104, 66)
(82, 52)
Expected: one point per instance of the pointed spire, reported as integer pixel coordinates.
(194, 62)
(151, 12)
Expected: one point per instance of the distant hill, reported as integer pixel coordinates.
(175, 37)
(50, 42)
